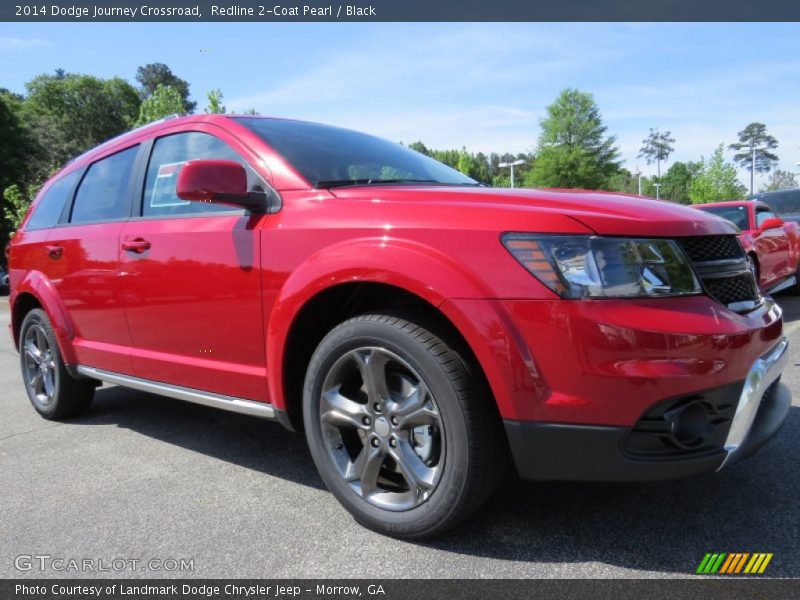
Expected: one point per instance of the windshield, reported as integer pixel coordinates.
(736, 214)
(333, 157)
(785, 202)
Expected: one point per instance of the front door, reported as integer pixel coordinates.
(192, 282)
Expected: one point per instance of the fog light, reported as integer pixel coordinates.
(689, 424)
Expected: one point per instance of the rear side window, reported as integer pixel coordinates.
(762, 215)
(103, 193)
(48, 210)
(170, 153)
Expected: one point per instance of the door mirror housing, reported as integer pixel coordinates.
(771, 223)
(218, 182)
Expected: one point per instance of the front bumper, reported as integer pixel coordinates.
(759, 406)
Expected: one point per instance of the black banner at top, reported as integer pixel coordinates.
(267, 11)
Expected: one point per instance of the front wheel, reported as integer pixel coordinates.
(52, 391)
(400, 427)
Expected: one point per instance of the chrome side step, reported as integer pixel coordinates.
(786, 283)
(229, 403)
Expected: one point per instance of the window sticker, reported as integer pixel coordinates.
(164, 186)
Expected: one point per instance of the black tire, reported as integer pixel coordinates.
(65, 396)
(471, 447)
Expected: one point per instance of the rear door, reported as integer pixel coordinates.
(773, 249)
(192, 278)
(83, 261)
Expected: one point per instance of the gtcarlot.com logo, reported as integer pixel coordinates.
(734, 563)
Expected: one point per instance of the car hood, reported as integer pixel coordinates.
(604, 212)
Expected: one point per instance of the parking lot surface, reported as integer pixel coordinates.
(145, 477)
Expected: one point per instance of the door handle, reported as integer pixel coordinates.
(137, 246)
(55, 252)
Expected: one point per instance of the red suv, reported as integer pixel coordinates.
(424, 330)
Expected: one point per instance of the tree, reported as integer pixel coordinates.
(252, 111)
(716, 180)
(15, 204)
(753, 150)
(18, 146)
(677, 181)
(153, 75)
(465, 162)
(781, 180)
(215, 106)
(574, 150)
(657, 147)
(164, 101)
(69, 113)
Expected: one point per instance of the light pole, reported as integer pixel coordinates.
(753, 150)
(657, 185)
(638, 174)
(511, 164)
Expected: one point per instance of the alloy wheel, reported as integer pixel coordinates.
(382, 428)
(39, 365)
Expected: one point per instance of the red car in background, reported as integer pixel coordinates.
(772, 244)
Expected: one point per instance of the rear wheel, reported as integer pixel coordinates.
(400, 428)
(52, 391)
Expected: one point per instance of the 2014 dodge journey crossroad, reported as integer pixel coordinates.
(423, 330)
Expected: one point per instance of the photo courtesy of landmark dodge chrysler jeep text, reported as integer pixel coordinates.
(423, 330)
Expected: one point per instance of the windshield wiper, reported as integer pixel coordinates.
(331, 183)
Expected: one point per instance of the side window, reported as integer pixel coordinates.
(103, 193)
(48, 209)
(762, 214)
(169, 154)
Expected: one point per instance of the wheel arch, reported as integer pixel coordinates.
(327, 290)
(37, 291)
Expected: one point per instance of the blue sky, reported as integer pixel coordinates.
(482, 86)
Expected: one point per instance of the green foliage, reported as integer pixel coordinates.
(574, 150)
(15, 204)
(252, 111)
(716, 181)
(153, 75)
(677, 181)
(70, 113)
(479, 166)
(215, 106)
(465, 163)
(755, 135)
(164, 101)
(18, 146)
(781, 180)
(657, 147)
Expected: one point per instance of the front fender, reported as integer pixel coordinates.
(42, 289)
(411, 266)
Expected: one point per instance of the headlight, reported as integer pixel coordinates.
(604, 267)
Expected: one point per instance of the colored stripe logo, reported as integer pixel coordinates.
(734, 563)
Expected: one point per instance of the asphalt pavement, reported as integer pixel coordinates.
(142, 477)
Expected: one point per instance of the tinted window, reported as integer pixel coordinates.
(103, 193)
(329, 156)
(736, 214)
(170, 153)
(48, 209)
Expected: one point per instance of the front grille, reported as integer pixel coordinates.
(723, 269)
(712, 247)
(732, 289)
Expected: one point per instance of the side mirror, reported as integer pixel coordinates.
(772, 223)
(217, 182)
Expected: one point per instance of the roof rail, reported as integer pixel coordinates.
(117, 137)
